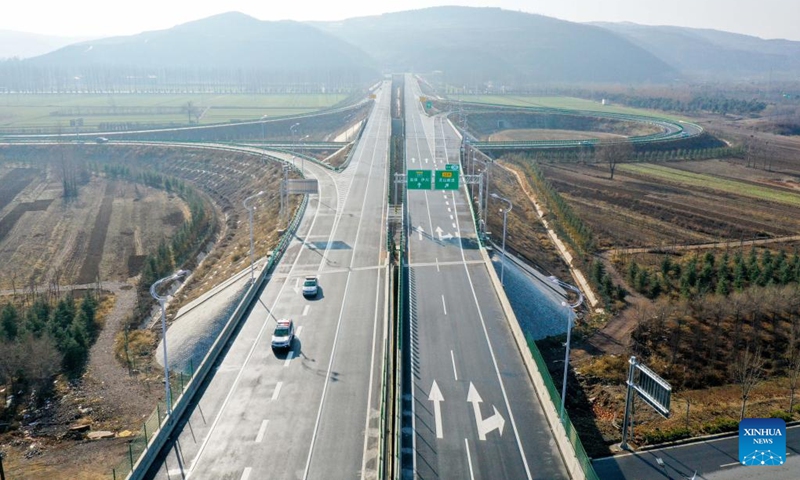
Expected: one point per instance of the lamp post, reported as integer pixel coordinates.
(162, 301)
(505, 216)
(250, 209)
(570, 313)
(293, 133)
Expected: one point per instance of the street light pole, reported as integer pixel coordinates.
(505, 216)
(294, 136)
(250, 209)
(570, 313)
(162, 301)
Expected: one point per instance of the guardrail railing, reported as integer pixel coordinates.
(148, 442)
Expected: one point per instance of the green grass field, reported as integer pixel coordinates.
(568, 103)
(26, 111)
(713, 183)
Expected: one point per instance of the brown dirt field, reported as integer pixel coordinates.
(544, 134)
(639, 211)
(74, 242)
(13, 182)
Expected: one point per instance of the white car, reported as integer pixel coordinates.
(310, 287)
(283, 335)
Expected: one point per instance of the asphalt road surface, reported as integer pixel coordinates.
(470, 410)
(716, 459)
(312, 412)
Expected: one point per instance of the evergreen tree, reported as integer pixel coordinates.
(9, 323)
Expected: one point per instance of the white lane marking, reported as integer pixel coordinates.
(437, 399)
(453, 358)
(299, 329)
(491, 353)
(447, 203)
(426, 160)
(413, 160)
(296, 284)
(305, 310)
(246, 473)
(437, 265)
(261, 431)
(449, 210)
(730, 464)
(469, 460)
(341, 313)
(277, 391)
(444, 305)
(455, 227)
(289, 358)
(451, 217)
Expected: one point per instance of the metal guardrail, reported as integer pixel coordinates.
(149, 442)
(572, 434)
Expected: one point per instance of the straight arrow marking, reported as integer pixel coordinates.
(437, 399)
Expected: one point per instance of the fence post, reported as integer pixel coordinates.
(158, 413)
(130, 453)
(146, 441)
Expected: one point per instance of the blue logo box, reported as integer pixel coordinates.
(762, 441)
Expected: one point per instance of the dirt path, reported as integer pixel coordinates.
(703, 246)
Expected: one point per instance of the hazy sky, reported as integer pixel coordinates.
(762, 18)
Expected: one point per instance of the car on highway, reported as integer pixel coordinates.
(311, 286)
(101, 140)
(283, 335)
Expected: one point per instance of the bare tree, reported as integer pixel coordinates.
(613, 153)
(747, 371)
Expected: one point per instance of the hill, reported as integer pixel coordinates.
(474, 45)
(224, 42)
(714, 54)
(25, 45)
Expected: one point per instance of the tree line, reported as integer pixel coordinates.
(44, 338)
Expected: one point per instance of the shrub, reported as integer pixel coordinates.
(660, 436)
(785, 416)
(720, 425)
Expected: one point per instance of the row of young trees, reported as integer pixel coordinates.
(700, 103)
(42, 339)
(721, 274)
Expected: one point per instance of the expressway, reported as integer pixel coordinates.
(315, 409)
(470, 409)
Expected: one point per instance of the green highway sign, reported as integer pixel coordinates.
(446, 179)
(418, 179)
(453, 167)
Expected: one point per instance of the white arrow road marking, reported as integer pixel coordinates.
(439, 232)
(446, 236)
(485, 426)
(437, 399)
(420, 231)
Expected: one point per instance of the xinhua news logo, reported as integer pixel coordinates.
(762, 441)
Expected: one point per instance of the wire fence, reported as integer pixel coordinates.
(584, 459)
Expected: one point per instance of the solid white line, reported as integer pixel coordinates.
(444, 306)
(491, 352)
(261, 431)
(277, 391)
(469, 460)
(730, 464)
(289, 358)
(246, 473)
(305, 310)
(341, 310)
(453, 358)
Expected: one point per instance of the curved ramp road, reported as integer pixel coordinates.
(470, 410)
(312, 412)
